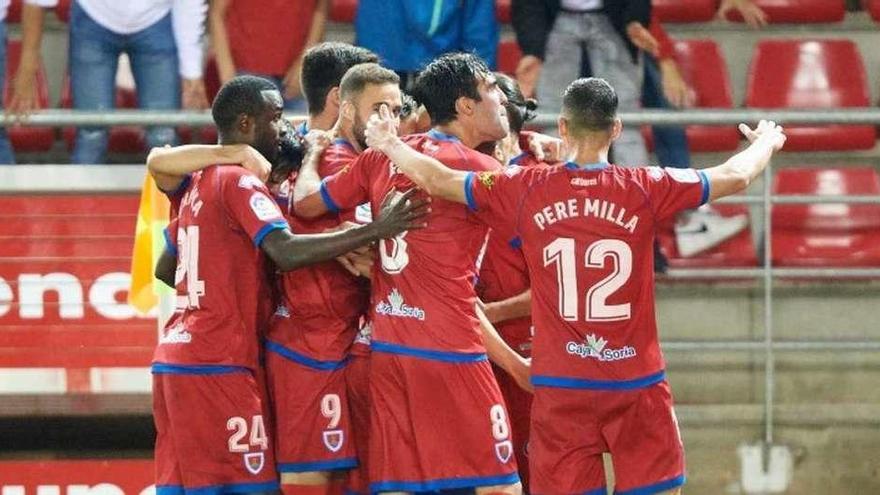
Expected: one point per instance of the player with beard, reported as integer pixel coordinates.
(208, 401)
(439, 419)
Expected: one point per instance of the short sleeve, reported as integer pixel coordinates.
(494, 196)
(350, 186)
(250, 205)
(672, 189)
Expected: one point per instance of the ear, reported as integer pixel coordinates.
(333, 100)
(562, 125)
(245, 124)
(464, 106)
(616, 129)
(347, 111)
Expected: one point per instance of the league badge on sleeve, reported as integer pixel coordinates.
(254, 462)
(683, 175)
(263, 207)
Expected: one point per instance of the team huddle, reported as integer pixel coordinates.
(371, 303)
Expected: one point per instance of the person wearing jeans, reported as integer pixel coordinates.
(7, 157)
(162, 39)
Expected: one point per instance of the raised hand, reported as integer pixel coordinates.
(381, 132)
(401, 212)
(253, 160)
(766, 130)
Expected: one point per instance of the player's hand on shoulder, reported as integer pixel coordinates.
(316, 142)
(401, 212)
(546, 148)
(381, 132)
(253, 160)
(766, 130)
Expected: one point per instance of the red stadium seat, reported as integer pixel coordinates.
(797, 11)
(123, 139)
(343, 10)
(738, 251)
(812, 73)
(502, 11)
(509, 55)
(685, 10)
(831, 234)
(873, 8)
(27, 139)
(62, 10)
(13, 15)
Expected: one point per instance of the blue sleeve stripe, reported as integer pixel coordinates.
(580, 383)
(195, 369)
(265, 229)
(706, 187)
(308, 467)
(328, 201)
(444, 356)
(169, 246)
(469, 191)
(179, 189)
(305, 360)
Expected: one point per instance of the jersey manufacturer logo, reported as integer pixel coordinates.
(333, 440)
(594, 347)
(396, 307)
(263, 207)
(487, 179)
(504, 450)
(254, 462)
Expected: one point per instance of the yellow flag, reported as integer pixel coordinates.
(149, 243)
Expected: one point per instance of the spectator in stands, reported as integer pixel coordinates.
(554, 34)
(407, 34)
(267, 38)
(6, 154)
(165, 53)
(751, 13)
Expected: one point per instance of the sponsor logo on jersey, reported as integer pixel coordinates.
(683, 175)
(504, 450)
(249, 182)
(396, 307)
(333, 440)
(263, 207)
(487, 179)
(254, 462)
(595, 348)
(582, 182)
(176, 335)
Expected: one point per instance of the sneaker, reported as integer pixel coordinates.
(702, 229)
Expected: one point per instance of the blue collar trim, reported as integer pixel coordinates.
(589, 166)
(518, 158)
(343, 142)
(440, 136)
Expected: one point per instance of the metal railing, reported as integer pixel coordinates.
(17, 179)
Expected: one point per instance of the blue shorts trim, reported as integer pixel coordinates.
(443, 484)
(444, 356)
(469, 191)
(598, 491)
(217, 489)
(707, 188)
(265, 229)
(195, 369)
(656, 487)
(564, 382)
(305, 360)
(328, 201)
(307, 467)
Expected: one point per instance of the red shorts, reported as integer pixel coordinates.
(357, 377)
(436, 424)
(571, 428)
(519, 404)
(211, 430)
(311, 412)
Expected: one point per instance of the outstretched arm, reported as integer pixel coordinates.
(307, 202)
(507, 309)
(169, 166)
(429, 174)
(399, 213)
(740, 170)
(502, 355)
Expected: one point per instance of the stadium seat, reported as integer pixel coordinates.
(812, 73)
(343, 10)
(797, 11)
(123, 139)
(62, 10)
(685, 10)
(502, 11)
(27, 139)
(509, 55)
(739, 251)
(873, 8)
(831, 234)
(13, 15)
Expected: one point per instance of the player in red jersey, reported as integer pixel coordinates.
(439, 420)
(208, 404)
(587, 230)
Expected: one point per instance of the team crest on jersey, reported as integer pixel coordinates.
(263, 207)
(396, 307)
(333, 440)
(254, 462)
(487, 179)
(595, 347)
(504, 450)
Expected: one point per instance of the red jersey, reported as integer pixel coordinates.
(322, 303)
(587, 236)
(423, 287)
(254, 25)
(222, 279)
(503, 273)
